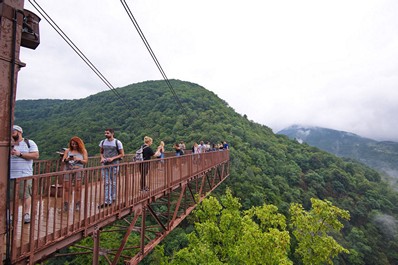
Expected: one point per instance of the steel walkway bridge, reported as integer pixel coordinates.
(176, 185)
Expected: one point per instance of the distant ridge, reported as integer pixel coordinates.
(380, 155)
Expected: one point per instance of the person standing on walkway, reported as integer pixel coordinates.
(201, 147)
(75, 157)
(182, 147)
(23, 152)
(177, 147)
(225, 145)
(111, 150)
(160, 150)
(147, 153)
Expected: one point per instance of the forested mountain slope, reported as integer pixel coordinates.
(265, 168)
(380, 155)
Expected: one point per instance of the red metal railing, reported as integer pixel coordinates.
(55, 165)
(52, 224)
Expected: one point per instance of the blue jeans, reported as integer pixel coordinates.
(109, 175)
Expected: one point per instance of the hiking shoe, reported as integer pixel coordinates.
(26, 218)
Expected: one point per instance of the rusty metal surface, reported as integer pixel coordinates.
(10, 35)
(177, 182)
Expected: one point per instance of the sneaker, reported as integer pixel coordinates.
(77, 208)
(145, 189)
(26, 218)
(104, 205)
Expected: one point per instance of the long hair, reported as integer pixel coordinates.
(80, 144)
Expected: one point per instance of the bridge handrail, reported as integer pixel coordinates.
(55, 164)
(50, 224)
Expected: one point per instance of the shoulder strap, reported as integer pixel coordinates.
(117, 146)
(26, 140)
(102, 146)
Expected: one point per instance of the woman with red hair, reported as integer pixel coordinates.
(75, 157)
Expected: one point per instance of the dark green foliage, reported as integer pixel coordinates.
(265, 168)
(382, 156)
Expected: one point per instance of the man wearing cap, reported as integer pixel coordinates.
(23, 152)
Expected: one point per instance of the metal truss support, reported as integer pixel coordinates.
(154, 218)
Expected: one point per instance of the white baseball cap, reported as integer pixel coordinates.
(17, 128)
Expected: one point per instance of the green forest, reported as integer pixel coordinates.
(265, 168)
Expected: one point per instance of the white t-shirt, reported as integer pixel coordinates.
(19, 166)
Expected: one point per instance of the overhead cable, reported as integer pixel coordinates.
(137, 27)
(83, 57)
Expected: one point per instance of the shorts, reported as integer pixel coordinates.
(23, 193)
(75, 176)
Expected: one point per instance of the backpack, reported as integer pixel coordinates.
(139, 154)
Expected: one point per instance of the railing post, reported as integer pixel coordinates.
(143, 227)
(33, 213)
(96, 247)
(126, 184)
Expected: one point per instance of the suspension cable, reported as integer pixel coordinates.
(137, 27)
(83, 57)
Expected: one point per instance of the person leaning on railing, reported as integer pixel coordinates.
(147, 153)
(75, 157)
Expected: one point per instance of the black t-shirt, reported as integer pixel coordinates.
(147, 152)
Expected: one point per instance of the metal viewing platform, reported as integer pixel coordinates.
(175, 186)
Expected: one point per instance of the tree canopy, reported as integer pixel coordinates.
(224, 234)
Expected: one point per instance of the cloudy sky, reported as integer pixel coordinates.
(324, 63)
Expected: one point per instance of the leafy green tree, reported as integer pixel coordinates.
(224, 234)
(312, 229)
